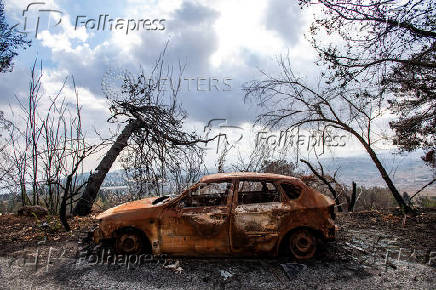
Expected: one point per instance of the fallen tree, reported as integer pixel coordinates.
(152, 115)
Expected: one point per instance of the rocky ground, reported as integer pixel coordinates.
(373, 250)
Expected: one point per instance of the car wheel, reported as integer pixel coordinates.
(129, 242)
(303, 244)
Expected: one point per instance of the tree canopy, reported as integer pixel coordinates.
(10, 42)
(388, 46)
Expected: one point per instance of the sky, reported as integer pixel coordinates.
(226, 43)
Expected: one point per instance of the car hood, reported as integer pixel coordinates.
(128, 206)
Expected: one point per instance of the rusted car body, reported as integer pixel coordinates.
(240, 214)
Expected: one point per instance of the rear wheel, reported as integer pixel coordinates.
(129, 242)
(303, 244)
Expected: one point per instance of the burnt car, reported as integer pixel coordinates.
(224, 214)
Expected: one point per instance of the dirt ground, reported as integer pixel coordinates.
(373, 250)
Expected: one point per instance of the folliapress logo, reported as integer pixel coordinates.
(105, 22)
(38, 17)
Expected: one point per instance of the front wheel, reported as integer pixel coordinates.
(129, 242)
(303, 244)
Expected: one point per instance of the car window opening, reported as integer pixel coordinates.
(292, 191)
(212, 194)
(257, 192)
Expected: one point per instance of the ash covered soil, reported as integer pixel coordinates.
(374, 249)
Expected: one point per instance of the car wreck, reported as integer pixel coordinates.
(224, 214)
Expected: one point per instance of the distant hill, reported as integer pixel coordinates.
(409, 172)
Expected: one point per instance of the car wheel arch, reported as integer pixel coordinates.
(131, 229)
(282, 243)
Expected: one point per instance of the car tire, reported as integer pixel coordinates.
(129, 242)
(303, 244)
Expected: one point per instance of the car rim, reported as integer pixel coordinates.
(129, 243)
(303, 244)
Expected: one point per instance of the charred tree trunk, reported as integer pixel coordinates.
(63, 208)
(84, 205)
(390, 184)
(352, 200)
(384, 174)
(23, 193)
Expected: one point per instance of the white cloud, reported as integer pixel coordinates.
(240, 26)
(63, 41)
(12, 5)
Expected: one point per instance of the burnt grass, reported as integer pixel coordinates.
(373, 249)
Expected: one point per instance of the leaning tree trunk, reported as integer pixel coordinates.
(84, 205)
(384, 174)
(390, 184)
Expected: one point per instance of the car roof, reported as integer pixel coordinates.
(248, 175)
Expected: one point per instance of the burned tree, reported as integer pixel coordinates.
(151, 170)
(47, 150)
(324, 108)
(155, 119)
(351, 200)
(389, 45)
(280, 166)
(388, 65)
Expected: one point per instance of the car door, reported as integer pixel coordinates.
(257, 215)
(198, 223)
